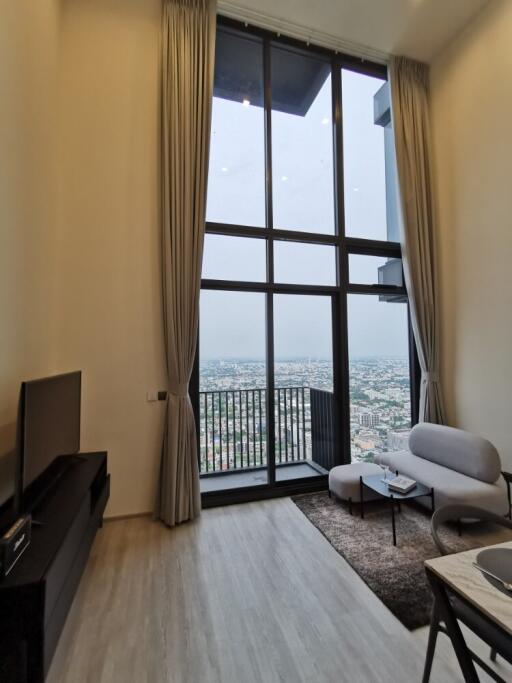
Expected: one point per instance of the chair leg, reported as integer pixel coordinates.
(493, 655)
(431, 646)
(350, 505)
(329, 492)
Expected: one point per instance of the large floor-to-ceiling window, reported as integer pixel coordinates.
(305, 357)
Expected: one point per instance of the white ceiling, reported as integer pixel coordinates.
(416, 28)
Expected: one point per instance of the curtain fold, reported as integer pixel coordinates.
(410, 112)
(188, 52)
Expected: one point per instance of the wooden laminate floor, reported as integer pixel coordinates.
(248, 593)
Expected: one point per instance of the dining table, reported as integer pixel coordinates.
(460, 588)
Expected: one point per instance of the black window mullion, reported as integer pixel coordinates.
(232, 230)
(364, 247)
(271, 429)
(338, 150)
(267, 103)
(385, 290)
(269, 213)
(276, 288)
(340, 338)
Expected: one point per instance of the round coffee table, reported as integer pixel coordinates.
(376, 483)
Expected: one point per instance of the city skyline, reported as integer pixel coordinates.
(247, 359)
(233, 408)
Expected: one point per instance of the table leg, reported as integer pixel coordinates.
(453, 629)
(392, 500)
(433, 500)
(361, 496)
(432, 639)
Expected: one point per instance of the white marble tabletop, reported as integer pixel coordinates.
(458, 572)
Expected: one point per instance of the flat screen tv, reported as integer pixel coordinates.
(9, 455)
(50, 424)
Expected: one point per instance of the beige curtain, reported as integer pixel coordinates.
(187, 83)
(410, 109)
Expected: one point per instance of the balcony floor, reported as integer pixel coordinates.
(237, 480)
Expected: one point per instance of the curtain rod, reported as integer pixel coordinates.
(300, 32)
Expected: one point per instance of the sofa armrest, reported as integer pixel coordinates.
(507, 476)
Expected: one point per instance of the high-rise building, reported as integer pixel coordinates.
(398, 439)
(369, 419)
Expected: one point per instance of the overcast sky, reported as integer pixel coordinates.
(233, 324)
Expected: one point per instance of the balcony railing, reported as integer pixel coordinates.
(233, 428)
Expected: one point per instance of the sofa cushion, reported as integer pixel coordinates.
(344, 480)
(457, 449)
(450, 487)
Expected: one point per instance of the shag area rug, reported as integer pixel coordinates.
(395, 574)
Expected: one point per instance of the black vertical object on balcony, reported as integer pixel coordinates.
(323, 448)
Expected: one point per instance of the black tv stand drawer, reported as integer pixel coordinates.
(35, 598)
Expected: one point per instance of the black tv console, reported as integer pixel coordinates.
(36, 596)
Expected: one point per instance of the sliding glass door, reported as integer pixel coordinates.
(236, 411)
(232, 390)
(304, 386)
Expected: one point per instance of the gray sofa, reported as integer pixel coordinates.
(462, 467)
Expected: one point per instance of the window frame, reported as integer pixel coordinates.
(344, 247)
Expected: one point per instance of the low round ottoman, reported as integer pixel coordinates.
(344, 481)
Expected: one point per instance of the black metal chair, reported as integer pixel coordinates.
(463, 611)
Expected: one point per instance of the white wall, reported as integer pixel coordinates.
(29, 45)
(472, 124)
(79, 220)
(108, 298)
